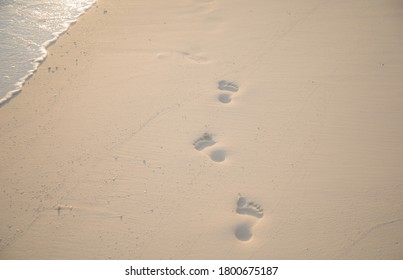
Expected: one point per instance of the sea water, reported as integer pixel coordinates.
(27, 27)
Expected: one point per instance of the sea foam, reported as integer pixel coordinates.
(27, 29)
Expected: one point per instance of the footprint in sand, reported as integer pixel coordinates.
(206, 141)
(225, 98)
(229, 88)
(218, 155)
(193, 58)
(252, 211)
(203, 142)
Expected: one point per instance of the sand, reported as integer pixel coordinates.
(210, 129)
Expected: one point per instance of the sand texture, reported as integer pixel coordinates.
(210, 129)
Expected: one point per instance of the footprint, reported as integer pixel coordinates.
(228, 86)
(243, 231)
(218, 155)
(203, 142)
(195, 58)
(225, 98)
(249, 208)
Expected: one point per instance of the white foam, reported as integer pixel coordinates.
(36, 62)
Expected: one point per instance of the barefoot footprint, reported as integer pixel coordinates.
(228, 87)
(248, 208)
(243, 231)
(218, 155)
(225, 98)
(205, 141)
(195, 58)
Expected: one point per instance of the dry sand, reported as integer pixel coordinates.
(297, 105)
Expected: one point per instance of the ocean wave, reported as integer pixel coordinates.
(27, 29)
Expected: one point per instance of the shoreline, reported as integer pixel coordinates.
(209, 130)
(39, 60)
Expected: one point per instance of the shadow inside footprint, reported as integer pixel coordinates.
(203, 142)
(228, 86)
(224, 98)
(243, 232)
(218, 155)
(249, 208)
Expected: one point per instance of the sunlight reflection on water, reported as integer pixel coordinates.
(26, 26)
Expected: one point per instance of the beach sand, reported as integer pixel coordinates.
(210, 129)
